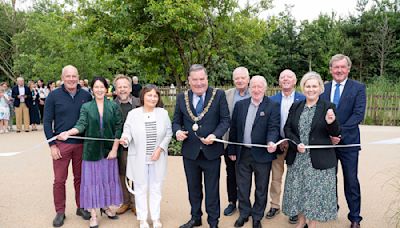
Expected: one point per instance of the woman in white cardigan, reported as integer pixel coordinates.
(147, 133)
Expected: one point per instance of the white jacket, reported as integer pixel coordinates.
(134, 132)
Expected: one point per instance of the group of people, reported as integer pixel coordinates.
(25, 102)
(124, 147)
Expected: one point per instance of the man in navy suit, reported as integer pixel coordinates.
(255, 120)
(201, 115)
(21, 94)
(285, 98)
(350, 99)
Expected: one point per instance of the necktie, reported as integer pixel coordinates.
(336, 96)
(199, 106)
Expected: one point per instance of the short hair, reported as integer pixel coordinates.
(147, 89)
(289, 72)
(242, 69)
(260, 78)
(4, 84)
(122, 76)
(67, 67)
(339, 57)
(20, 78)
(101, 79)
(312, 75)
(197, 67)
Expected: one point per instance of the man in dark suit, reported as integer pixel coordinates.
(255, 120)
(21, 95)
(201, 115)
(285, 98)
(350, 99)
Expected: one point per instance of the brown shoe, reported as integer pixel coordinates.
(122, 209)
(133, 210)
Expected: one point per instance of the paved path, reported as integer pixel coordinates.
(26, 188)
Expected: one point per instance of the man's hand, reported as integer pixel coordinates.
(181, 135)
(301, 148)
(232, 157)
(63, 136)
(209, 140)
(330, 116)
(271, 147)
(55, 152)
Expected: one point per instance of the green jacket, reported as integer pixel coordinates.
(89, 122)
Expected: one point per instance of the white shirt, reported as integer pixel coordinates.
(342, 84)
(286, 103)
(21, 90)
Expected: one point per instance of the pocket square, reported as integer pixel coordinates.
(262, 114)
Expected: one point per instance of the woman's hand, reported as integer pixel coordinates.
(156, 154)
(301, 148)
(123, 141)
(112, 154)
(63, 136)
(271, 147)
(330, 116)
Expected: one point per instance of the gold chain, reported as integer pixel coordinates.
(205, 110)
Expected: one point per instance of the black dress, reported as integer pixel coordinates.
(34, 114)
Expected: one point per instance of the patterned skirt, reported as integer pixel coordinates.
(100, 185)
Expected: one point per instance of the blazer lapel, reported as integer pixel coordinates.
(261, 109)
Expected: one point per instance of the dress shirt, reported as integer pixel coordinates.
(342, 84)
(21, 90)
(286, 103)
(251, 116)
(196, 99)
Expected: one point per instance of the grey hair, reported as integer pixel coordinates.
(339, 57)
(288, 71)
(240, 69)
(312, 75)
(197, 67)
(260, 78)
(68, 67)
(20, 79)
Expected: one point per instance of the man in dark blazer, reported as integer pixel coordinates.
(285, 98)
(21, 94)
(350, 99)
(255, 120)
(201, 115)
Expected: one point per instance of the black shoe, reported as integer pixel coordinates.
(241, 221)
(293, 219)
(191, 223)
(230, 209)
(272, 212)
(257, 224)
(213, 226)
(109, 216)
(59, 220)
(83, 213)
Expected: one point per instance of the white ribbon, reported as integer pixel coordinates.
(283, 140)
(388, 142)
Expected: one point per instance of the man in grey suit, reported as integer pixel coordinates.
(241, 78)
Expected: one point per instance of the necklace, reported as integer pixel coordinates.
(195, 126)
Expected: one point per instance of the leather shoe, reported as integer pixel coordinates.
(214, 226)
(257, 224)
(83, 213)
(293, 219)
(355, 225)
(122, 209)
(191, 223)
(134, 211)
(240, 221)
(272, 212)
(59, 220)
(230, 209)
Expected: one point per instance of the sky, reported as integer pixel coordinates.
(302, 10)
(310, 9)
